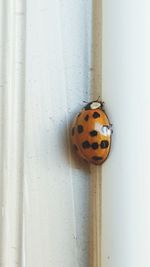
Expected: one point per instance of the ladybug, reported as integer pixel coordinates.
(91, 133)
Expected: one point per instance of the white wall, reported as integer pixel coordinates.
(56, 188)
(44, 191)
(126, 175)
(45, 72)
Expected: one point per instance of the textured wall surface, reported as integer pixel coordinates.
(57, 80)
(45, 76)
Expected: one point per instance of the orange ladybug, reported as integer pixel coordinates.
(91, 133)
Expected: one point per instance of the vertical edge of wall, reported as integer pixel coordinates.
(11, 129)
(96, 84)
(96, 171)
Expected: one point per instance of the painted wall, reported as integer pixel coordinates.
(57, 81)
(45, 74)
(126, 183)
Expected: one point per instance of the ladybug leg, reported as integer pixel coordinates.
(102, 104)
(110, 127)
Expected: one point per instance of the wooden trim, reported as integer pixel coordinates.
(95, 218)
(96, 176)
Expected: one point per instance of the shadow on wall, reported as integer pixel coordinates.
(74, 160)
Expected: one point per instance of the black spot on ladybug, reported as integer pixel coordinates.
(86, 144)
(93, 133)
(80, 128)
(73, 131)
(95, 145)
(97, 158)
(75, 147)
(96, 115)
(104, 144)
(86, 117)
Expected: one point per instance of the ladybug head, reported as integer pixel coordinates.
(94, 105)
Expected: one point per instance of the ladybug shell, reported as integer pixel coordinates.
(91, 134)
